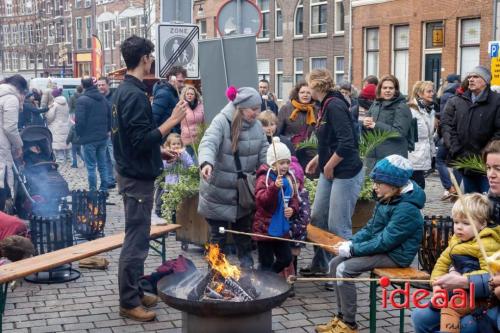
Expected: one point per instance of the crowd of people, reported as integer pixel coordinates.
(253, 168)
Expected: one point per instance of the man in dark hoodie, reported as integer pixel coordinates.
(166, 95)
(92, 125)
(136, 145)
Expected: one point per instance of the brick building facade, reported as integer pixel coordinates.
(419, 39)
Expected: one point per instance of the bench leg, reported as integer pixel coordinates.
(373, 305)
(401, 314)
(163, 244)
(3, 299)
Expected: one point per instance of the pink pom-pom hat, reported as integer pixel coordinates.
(231, 93)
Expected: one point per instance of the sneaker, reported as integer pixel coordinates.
(330, 286)
(74, 166)
(446, 196)
(311, 271)
(328, 327)
(343, 327)
(148, 301)
(138, 314)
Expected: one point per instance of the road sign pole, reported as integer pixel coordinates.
(238, 16)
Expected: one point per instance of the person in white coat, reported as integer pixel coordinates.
(12, 91)
(421, 103)
(58, 123)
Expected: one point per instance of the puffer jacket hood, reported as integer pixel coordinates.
(452, 88)
(164, 85)
(93, 93)
(60, 100)
(416, 197)
(8, 89)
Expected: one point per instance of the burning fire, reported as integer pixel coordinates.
(220, 264)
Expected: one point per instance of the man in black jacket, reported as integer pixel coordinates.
(470, 122)
(103, 86)
(92, 124)
(136, 145)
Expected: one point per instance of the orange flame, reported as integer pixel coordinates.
(220, 264)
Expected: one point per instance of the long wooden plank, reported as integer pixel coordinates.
(408, 273)
(22, 268)
(320, 236)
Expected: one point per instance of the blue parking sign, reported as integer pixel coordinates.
(494, 50)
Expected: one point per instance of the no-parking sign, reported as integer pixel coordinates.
(177, 46)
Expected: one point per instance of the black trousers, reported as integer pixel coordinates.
(243, 243)
(274, 255)
(4, 192)
(138, 204)
(419, 178)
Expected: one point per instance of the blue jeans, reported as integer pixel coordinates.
(95, 153)
(475, 183)
(442, 168)
(332, 210)
(110, 162)
(427, 321)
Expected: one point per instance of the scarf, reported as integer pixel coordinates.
(280, 225)
(193, 104)
(301, 107)
(427, 107)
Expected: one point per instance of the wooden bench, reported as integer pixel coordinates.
(317, 235)
(19, 269)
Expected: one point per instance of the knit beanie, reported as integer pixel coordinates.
(277, 151)
(244, 97)
(482, 72)
(393, 170)
(368, 92)
(56, 92)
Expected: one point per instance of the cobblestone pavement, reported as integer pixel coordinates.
(90, 304)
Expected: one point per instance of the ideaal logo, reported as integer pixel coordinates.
(457, 299)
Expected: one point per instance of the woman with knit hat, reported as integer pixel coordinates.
(233, 137)
(276, 199)
(58, 124)
(297, 119)
(390, 239)
(341, 169)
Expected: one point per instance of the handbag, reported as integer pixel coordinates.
(245, 184)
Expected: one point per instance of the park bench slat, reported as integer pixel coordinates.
(409, 273)
(44, 262)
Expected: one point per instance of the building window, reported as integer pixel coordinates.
(31, 61)
(298, 69)
(88, 3)
(88, 31)
(6, 34)
(263, 69)
(339, 16)
(318, 17)
(69, 33)
(123, 29)
(79, 36)
(279, 79)
(264, 8)
(434, 35)
(371, 51)
(106, 35)
(299, 19)
(317, 63)
(339, 69)
(8, 7)
(50, 34)
(400, 61)
(31, 37)
(38, 33)
(6, 61)
(202, 24)
(22, 62)
(15, 63)
(278, 20)
(78, 3)
(15, 36)
(470, 33)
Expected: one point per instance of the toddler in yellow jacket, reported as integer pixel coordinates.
(463, 256)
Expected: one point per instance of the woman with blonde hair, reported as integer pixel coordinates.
(194, 117)
(421, 103)
(234, 145)
(341, 169)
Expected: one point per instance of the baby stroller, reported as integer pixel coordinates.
(39, 185)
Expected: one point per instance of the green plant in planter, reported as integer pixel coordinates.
(473, 162)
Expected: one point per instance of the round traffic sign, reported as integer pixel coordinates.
(239, 17)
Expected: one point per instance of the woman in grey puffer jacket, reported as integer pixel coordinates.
(234, 129)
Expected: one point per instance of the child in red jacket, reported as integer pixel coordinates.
(277, 201)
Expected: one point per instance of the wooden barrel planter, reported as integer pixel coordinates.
(362, 213)
(194, 227)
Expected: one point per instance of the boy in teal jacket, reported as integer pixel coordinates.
(390, 239)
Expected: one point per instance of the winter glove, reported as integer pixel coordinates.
(345, 249)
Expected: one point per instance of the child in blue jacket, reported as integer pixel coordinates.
(391, 237)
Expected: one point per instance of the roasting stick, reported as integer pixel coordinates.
(489, 261)
(223, 230)
(293, 279)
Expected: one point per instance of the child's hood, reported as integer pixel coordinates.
(415, 196)
(266, 170)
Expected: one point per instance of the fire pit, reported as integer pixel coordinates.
(89, 214)
(213, 303)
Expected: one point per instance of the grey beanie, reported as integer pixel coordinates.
(482, 72)
(247, 97)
